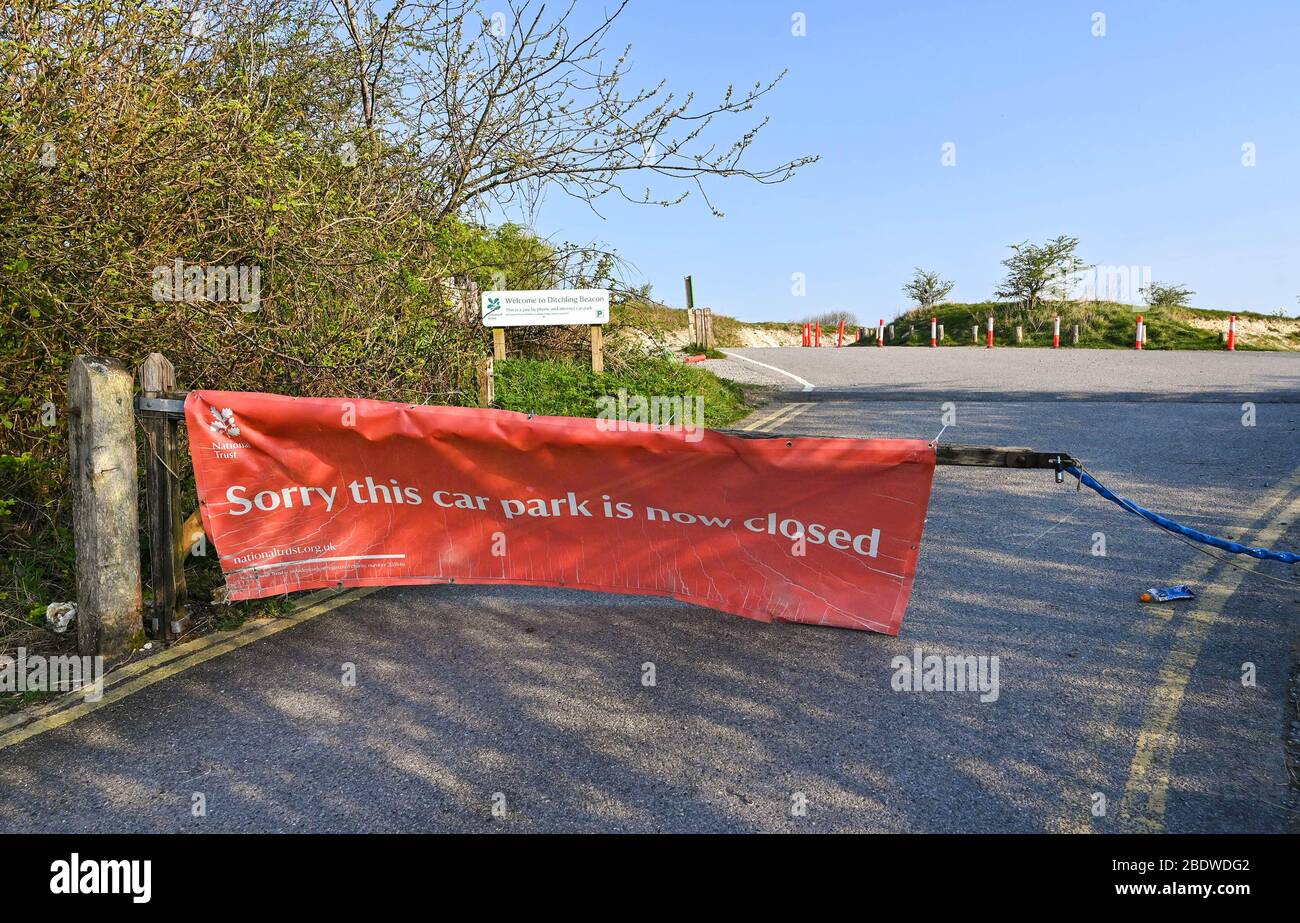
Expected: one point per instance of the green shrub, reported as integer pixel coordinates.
(570, 389)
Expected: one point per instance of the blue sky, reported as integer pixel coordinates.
(1131, 142)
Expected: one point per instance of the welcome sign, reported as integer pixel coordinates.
(583, 306)
(303, 493)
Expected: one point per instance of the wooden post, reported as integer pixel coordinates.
(101, 438)
(487, 389)
(975, 334)
(693, 317)
(168, 617)
(1020, 334)
(891, 333)
(498, 342)
(597, 348)
(1074, 335)
(941, 333)
(701, 329)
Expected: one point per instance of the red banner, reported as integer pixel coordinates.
(303, 493)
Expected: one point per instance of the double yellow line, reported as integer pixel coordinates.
(142, 674)
(1151, 772)
(1146, 791)
(779, 417)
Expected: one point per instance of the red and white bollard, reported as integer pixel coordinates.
(880, 333)
(1056, 333)
(934, 331)
(839, 339)
(1137, 341)
(990, 346)
(818, 341)
(1232, 332)
(806, 335)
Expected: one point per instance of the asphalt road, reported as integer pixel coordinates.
(919, 373)
(531, 699)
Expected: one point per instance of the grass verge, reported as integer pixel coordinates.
(571, 389)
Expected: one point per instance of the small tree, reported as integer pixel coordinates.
(1040, 273)
(1166, 295)
(927, 289)
(491, 103)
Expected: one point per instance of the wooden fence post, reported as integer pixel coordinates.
(498, 342)
(101, 438)
(941, 333)
(597, 348)
(1020, 334)
(1074, 335)
(168, 617)
(487, 390)
(701, 326)
(975, 334)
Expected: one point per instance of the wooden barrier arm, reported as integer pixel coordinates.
(967, 456)
(990, 456)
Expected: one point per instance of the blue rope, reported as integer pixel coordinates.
(1264, 554)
